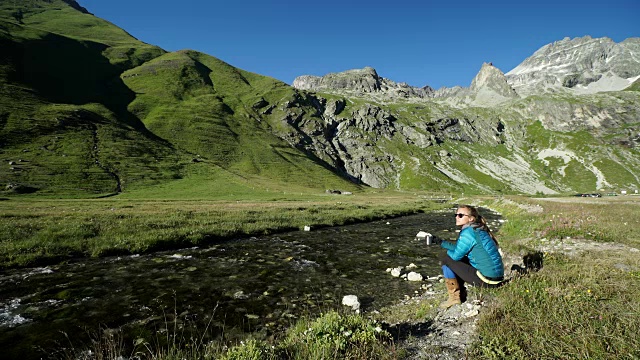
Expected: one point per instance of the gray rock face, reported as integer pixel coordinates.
(489, 87)
(361, 82)
(491, 136)
(585, 65)
(491, 84)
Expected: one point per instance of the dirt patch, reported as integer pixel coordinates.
(575, 246)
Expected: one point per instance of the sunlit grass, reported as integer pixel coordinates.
(41, 231)
(580, 307)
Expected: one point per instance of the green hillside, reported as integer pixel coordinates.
(635, 86)
(88, 110)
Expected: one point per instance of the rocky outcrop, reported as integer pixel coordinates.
(359, 140)
(361, 82)
(490, 86)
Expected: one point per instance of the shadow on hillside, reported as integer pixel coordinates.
(69, 71)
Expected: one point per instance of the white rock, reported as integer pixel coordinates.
(414, 276)
(307, 228)
(412, 266)
(396, 271)
(471, 313)
(352, 301)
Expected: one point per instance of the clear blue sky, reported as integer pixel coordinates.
(421, 42)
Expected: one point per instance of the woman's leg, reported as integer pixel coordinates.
(462, 270)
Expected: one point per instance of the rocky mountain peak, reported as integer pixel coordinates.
(490, 78)
(359, 80)
(583, 65)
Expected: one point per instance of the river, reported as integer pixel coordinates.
(258, 284)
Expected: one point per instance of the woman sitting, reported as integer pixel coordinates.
(474, 258)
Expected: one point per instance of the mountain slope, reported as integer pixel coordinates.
(487, 138)
(86, 109)
(63, 120)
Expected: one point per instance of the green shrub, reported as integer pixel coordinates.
(336, 336)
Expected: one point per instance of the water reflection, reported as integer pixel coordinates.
(252, 284)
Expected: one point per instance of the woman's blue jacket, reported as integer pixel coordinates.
(480, 248)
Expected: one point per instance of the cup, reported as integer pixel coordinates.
(429, 239)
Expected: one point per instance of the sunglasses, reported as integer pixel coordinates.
(460, 215)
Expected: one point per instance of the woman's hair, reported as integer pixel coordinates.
(478, 219)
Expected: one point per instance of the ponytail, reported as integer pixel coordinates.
(485, 227)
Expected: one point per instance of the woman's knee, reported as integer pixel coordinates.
(445, 259)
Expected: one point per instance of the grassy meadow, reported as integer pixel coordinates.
(40, 231)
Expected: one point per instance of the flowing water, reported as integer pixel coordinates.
(257, 284)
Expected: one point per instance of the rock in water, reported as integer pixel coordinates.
(352, 301)
(414, 276)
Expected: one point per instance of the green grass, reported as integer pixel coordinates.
(574, 307)
(616, 173)
(58, 17)
(580, 176)
(130, 116)
(331, 335)
(634, 87)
